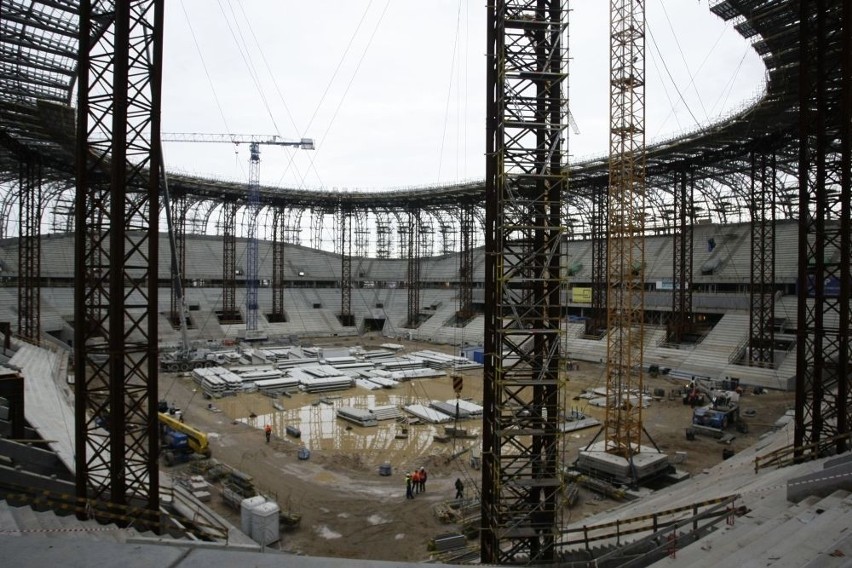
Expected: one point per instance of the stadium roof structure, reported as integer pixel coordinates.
(38, 59)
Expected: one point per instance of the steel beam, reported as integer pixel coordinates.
(229, 314)
(29, 249)
(117, 211)
(760, 351)
(524, 280)
(822, 370)
(682, 319)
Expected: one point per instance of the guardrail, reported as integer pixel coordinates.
(123, 515)
(789, 455)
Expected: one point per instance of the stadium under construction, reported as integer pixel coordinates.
(721, 254)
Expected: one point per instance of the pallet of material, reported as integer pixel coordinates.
(280, 383)
(427, 414)
(386, 412)
(357, 416)
(324, 384)
(471, 408)
(367, 384)
(450, 409)
(410, 374)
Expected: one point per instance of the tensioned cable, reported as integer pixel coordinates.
(692, 80)
(683, 58)
(328, 87)
(355, 73)
(239, 40)
(204, 66)
(449, 93)
(674, 84)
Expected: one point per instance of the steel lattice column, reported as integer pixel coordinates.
(278, 232)
(466, 264)
(252, 278)
(29, 249)
(626, 214)
(179, 207)
(761, 342)
(597, 317)
(412, 277)
(822, 369)
(681, 321)
(384, 235)
(525, 180)
(345, 242)
(229, 313)
(115, 304)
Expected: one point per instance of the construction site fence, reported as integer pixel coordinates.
(789, 455)
(126, 516)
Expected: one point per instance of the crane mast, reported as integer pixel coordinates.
(625, 237)
(254, 141)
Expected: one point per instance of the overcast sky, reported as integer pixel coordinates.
(393, 91)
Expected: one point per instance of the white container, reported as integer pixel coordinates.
(265, 523)
(247, 506)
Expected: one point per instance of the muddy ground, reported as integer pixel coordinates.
(350, 511)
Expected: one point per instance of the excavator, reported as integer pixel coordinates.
(179, 441)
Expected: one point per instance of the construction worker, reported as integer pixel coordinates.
(459, 488)
(268, 431)
(422, 477)
(408, 492)
(415, 481)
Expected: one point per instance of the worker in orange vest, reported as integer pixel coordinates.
(268, 431)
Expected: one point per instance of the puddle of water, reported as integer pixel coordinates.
(320, 428)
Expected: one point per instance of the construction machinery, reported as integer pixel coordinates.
(180, 442)
(722, 413)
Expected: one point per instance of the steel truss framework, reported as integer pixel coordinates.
(179, 205)
(252, 278)
(230, 313)
(681, 321)
(345, 240)
(117, 207)
(525, 184)
(626, 222)
(29, 249)
(38, 52)
(761, 343)
(823, 403)
(466, 226)
(412, 276)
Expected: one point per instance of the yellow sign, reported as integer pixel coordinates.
(581, 295)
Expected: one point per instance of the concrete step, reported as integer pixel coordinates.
(823, 530)
(729, 539)
(763, 548)
(25, 518)
(7, 519)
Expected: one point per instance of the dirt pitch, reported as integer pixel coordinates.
(350, 511)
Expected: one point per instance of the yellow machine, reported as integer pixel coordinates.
(180, 441)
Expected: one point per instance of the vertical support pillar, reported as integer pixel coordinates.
(229, 314)
(345, 242)
(252, 276)
(822, 370)
(412, 277)
(465, 264)
(29, 249)
(527, 114)
(597, 318)
(681, 321)
(179, 207)
(116, 252)
(278, 230)
(761, 342)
